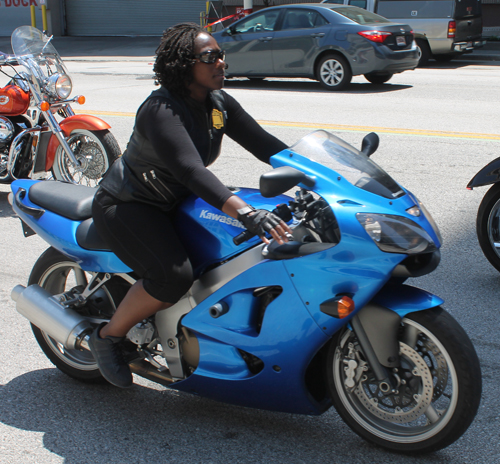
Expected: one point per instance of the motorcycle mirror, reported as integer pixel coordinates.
(280, 180)
(370, 144)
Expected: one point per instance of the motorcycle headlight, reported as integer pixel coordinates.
(431, 221)
(396, 234)
(60, 86)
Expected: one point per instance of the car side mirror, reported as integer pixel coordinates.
(279, 180)
(369, 144)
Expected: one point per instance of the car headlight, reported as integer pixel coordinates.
(60, 86)
(396, 234)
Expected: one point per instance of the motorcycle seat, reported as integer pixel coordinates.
(88, 237)
(73, 202)
(68, 200)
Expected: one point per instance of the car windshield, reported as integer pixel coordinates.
(332, 152)
(359, 15)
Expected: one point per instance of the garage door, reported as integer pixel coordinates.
(129, 17)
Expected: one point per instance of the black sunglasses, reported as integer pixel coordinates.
(211, 56)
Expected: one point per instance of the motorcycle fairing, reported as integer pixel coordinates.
(286, 342)
(60, 232)
(490, 174)
(339, 193)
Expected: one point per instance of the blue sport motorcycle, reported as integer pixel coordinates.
(322, 320)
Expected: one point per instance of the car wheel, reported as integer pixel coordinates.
(333, 72)
(424, 52)
(378, 78)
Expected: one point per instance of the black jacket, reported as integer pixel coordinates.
(157, 170)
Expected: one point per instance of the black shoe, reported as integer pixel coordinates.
(109, 359)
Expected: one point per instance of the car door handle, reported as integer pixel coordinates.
(265, 39)
(318, 34)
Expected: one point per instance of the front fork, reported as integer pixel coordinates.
(54, 127)
(376, 329)
(377, 325)
(58, 132)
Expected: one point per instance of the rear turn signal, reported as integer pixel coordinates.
(452, 28)
(375, 36)
(339, 307)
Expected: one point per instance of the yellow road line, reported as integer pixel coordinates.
(346, 128)
(350, 128)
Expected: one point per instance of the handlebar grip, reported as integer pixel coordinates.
(281, 211)
(243, 237)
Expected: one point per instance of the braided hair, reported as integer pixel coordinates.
(174, 57)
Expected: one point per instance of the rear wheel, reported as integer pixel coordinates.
(333, 72)
(424, 52)
(57, 274)
(438, 386)
(95, 150)
(488, 225)
(378, 78)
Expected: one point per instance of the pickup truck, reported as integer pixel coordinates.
(443, 28)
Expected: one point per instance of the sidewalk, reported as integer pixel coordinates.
(143, 49)
(100, 48)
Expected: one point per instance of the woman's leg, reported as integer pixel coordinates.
(144, 238)
(135, 307)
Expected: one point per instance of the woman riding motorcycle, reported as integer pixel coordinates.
(177, 134)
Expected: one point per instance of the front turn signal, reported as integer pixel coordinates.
(338, 307)
(80, 99)
(45, 106)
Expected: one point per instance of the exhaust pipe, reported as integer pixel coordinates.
(45, 312)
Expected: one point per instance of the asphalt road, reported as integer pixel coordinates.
(438, 127)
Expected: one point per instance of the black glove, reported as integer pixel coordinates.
(258, 221)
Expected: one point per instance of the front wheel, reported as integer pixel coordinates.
(95, 150)
(488, 226)
(58, 274)
(333, 72)
(378, 78)
(438, 386)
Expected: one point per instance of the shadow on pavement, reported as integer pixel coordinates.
(309, 86)
(103, 424)
(5, 208)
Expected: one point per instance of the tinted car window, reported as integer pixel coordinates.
(360, 3)
(360, 16)
(257, 23)
(302, 19)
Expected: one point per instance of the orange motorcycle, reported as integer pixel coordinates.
(40, 135)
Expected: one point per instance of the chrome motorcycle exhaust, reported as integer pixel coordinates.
(46, 312)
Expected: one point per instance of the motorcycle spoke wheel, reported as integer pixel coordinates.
(57, 274)
(438, 386)
(96, 152)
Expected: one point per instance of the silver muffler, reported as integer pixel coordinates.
(45, 311)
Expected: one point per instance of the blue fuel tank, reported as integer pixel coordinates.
(207, 233)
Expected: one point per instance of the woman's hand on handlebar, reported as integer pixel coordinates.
(258, 222)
